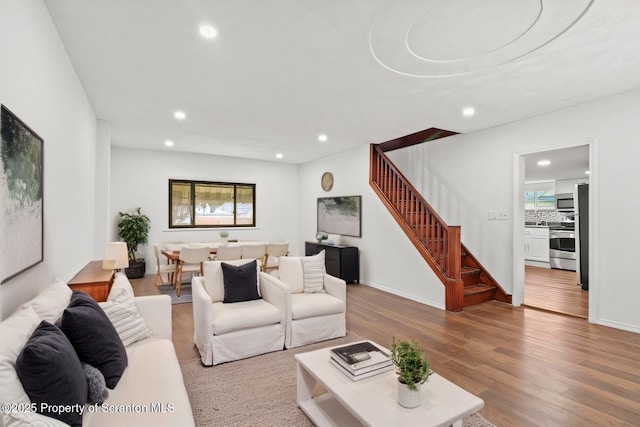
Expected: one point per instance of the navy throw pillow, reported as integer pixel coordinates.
(51, 374)
(94, 338)
(240, 282)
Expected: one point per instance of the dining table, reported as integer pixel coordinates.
(173, 254)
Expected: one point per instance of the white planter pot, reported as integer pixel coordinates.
(224, 241)
(409, 398)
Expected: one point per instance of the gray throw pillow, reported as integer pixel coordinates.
(98, 392)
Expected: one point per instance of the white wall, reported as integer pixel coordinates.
(465, 176)
(388, 260)
(38, 84)
(101, 232)
(140, 178)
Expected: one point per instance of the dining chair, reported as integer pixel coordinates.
(275, 250)
(162, 268)
(190, 261)
(199, 245)
(255, 251)
(171, 246)
(226, 253)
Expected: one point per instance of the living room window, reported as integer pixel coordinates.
(201, 204)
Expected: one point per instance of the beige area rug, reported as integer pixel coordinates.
(259, 391)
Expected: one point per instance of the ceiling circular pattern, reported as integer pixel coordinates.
(464, 29)
(439, 38)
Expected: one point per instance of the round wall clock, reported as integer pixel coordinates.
(327, 181)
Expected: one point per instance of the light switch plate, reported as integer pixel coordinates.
(502, 215)
(493, 215)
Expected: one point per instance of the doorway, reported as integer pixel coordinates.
(548, 284)
(555, 290)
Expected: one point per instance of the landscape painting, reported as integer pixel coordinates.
(340, 215)
(21, 201)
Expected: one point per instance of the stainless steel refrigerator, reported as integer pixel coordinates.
(581, 204)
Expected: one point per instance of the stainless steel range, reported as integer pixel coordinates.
(562, 247)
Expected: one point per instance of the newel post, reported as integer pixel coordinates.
(454, 252)
(454, 288)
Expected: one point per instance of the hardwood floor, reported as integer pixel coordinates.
(555, 290)
(531, 367)
(182, 317)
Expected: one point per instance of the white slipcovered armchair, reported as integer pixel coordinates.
(318, 301)
(230, 331)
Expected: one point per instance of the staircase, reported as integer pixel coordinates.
(466, 281)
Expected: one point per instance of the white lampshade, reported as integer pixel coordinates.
(116, 257)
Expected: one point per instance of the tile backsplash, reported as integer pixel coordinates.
(544, 215)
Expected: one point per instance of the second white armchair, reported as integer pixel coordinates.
(317, 301)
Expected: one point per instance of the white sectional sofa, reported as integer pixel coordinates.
(151, 390)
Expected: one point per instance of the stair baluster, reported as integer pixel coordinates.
(466, 281)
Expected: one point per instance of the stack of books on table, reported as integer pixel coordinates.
(360, 360)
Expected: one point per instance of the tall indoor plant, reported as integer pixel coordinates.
(412, 367)
(133, 228)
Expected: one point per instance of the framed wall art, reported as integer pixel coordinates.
(340, 215)
(21, 196)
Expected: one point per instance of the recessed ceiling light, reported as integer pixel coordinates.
(180, 115)
(544, 162)
(208, 32)
(587, 172)
(322, 137)
(279, 155)
(468, 111)
(168, 143)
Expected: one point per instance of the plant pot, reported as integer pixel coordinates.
(409, 398)
(136, 269)
(224, 241)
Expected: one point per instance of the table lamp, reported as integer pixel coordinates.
(116, 257)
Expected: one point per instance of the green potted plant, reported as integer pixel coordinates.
(133, 228)
(412, 367)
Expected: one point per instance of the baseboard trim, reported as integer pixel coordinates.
(618, 325)
(411, 297)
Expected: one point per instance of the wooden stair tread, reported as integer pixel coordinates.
(430, 235)
(478, 288)
(478, 294)
(470, 270)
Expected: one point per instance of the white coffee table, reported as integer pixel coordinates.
(373, 401)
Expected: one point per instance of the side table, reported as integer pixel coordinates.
(93, 280)
(340, 261)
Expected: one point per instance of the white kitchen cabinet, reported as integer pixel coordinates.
(536, 246)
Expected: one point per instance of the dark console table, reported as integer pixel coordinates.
(340, 261)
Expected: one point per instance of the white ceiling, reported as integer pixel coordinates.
(281, 72)
(566, 163)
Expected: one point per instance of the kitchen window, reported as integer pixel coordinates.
(203, 204)
(540, 195)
